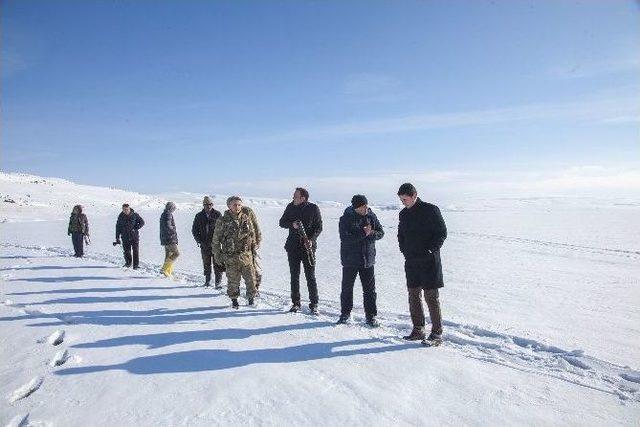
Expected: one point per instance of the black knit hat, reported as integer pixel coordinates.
(358, 200)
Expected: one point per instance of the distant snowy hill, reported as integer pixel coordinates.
(55, 196)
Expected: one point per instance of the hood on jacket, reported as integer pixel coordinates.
(350, 211)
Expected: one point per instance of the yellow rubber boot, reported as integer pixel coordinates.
(165, 269)
(169, 268)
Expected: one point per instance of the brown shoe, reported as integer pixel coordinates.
(417, 334)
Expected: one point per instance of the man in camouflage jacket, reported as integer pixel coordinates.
(235, 241)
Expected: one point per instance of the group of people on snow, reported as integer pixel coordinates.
(229, 244)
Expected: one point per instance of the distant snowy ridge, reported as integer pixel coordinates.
(55, 197)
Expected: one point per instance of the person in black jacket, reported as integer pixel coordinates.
(300, 215)
(127, 226)
(359, 229)
(78, 230)
(421, 233)
(169, 239)
(203, 227)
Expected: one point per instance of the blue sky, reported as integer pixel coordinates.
(464, 98)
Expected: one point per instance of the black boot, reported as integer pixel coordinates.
(416, 334)
(313, 309)
(234, 303)
(432, 340)
(295, 307)
(207, 280)
(373, 322)
(344, 319)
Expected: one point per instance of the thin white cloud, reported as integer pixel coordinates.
(604, 111)
(456, 185)
(582, 69)
(372, 87)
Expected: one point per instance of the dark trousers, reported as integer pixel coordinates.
(208, 260)
(295, 258)
(78, 243)
(431, 296)
(368, 280)
(131, 248)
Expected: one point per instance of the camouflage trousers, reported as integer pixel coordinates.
(171, 252)
(237, 270)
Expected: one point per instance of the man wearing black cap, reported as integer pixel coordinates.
(301, 215)
(359, 230)
(421, 233)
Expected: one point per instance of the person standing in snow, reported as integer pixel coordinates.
(168, 239)
(78, 230)
(421, 233)
(302, 214)
(203, 227)
(359, 229)
(127, 226)
(235, 241)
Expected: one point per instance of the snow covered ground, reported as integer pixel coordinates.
(541, 302)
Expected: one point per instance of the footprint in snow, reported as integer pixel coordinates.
(19, 421)
(59, 359)
(26, 390)
(56, 338)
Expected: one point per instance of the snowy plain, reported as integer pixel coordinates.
(541, 306)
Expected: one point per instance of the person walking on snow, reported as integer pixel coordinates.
(78, 230)
(168, 239)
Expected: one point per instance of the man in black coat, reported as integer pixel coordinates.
(127, 226)
(301, 215)
(359, 229)
(421, 233)
(204, 225)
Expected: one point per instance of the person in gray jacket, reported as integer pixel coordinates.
(168, 239)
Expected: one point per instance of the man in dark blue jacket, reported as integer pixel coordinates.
(421, 233)
(359, 230)
(300, 215)
(127, 226)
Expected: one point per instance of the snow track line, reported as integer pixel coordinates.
(511, 351)
(545, 243)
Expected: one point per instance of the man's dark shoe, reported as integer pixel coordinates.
(313, 309)
(344, 319)
(432, 340)
(294, 308)
(126, 266)
(373, 322)
(251, 301)
(416, 334)
(234, 303)
(135, 267)
(218, 284)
